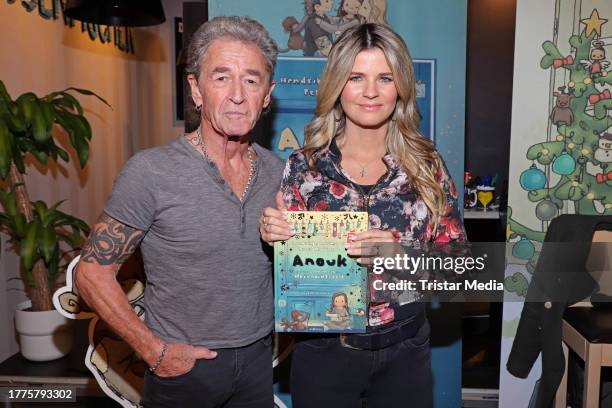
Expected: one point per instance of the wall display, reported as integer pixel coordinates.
(120, 37)
(305, 31)
(560, 142)
(317, 286)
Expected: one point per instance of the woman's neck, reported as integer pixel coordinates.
(364, 143)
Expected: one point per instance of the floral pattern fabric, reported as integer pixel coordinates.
(392, 204)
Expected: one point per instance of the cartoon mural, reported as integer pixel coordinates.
(320, 29)
(561, 134)
(569, 172)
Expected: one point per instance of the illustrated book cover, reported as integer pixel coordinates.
(317, 286)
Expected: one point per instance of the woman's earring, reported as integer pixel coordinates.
(336, 118)
(198, 108)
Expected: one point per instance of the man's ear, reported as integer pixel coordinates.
(195, 91)
(268, 97)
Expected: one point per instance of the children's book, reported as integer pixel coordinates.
(318, 287)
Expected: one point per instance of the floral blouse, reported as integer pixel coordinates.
(392, 203)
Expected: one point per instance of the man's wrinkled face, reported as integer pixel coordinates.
(233, 88)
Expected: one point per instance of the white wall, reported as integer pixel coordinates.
(42, 56)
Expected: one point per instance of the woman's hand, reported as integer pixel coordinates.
(272, 224)
(374, 243)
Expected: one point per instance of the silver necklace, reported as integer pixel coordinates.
(363, 172)
(200, 142)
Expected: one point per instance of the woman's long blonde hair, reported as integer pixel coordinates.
(414, 153)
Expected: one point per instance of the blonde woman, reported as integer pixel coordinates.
(363, 152)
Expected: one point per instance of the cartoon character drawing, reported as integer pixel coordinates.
(603, 154)
(296, 41)
(596, 63)
(299, 321)
(339, 312)
(314, 9)
(354, 12)
(117, 368)
(324, 46)
(348, 16)
(374, 11)
(562, 113)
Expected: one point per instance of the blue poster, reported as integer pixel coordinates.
(295, 98)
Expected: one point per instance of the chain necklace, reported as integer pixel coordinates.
(199, 141)
(363, 172)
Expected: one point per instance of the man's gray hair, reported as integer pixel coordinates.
(243, 29)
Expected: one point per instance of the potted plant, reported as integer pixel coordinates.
(44, 237)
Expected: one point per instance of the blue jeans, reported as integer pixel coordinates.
(326, 374)
(237, 378)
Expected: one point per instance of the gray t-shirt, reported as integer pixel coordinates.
(209, 281)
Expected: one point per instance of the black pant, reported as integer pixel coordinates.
(326, 374)
(237, 378)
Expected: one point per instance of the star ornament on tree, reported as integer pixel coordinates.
(593, 23)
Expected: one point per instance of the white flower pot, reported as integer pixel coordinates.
(43, 336)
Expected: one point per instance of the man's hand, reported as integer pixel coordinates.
(180, 359)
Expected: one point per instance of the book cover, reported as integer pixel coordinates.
(317, 286)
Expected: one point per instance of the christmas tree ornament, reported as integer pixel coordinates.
(602, 96)
(560, 138)
(604, 73)
(544, 151)
(546, 210)
(593, 23)
(608, 206)
(523, 249)
(590, 196)
(586, 81)
(560, 62)
(584, 152)
(603, 154)
(571, 84)
(571, 145)
(596, 62)
(603, 177)
(564, 164)
(575, 184)
(532, 179)
(562, 113)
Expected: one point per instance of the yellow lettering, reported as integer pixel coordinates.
(288, 140)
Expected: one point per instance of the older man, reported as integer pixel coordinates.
(192, 206)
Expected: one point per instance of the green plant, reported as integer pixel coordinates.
(37, 230)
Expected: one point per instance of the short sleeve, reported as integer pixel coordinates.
(133, 199)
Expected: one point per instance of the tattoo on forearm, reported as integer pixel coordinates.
(111, 242)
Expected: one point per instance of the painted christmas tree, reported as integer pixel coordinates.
(572, 169)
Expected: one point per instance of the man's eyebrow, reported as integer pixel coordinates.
(220, 70)
(249, 71)
(254, 72)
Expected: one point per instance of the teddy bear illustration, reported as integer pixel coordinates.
(296, 41)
